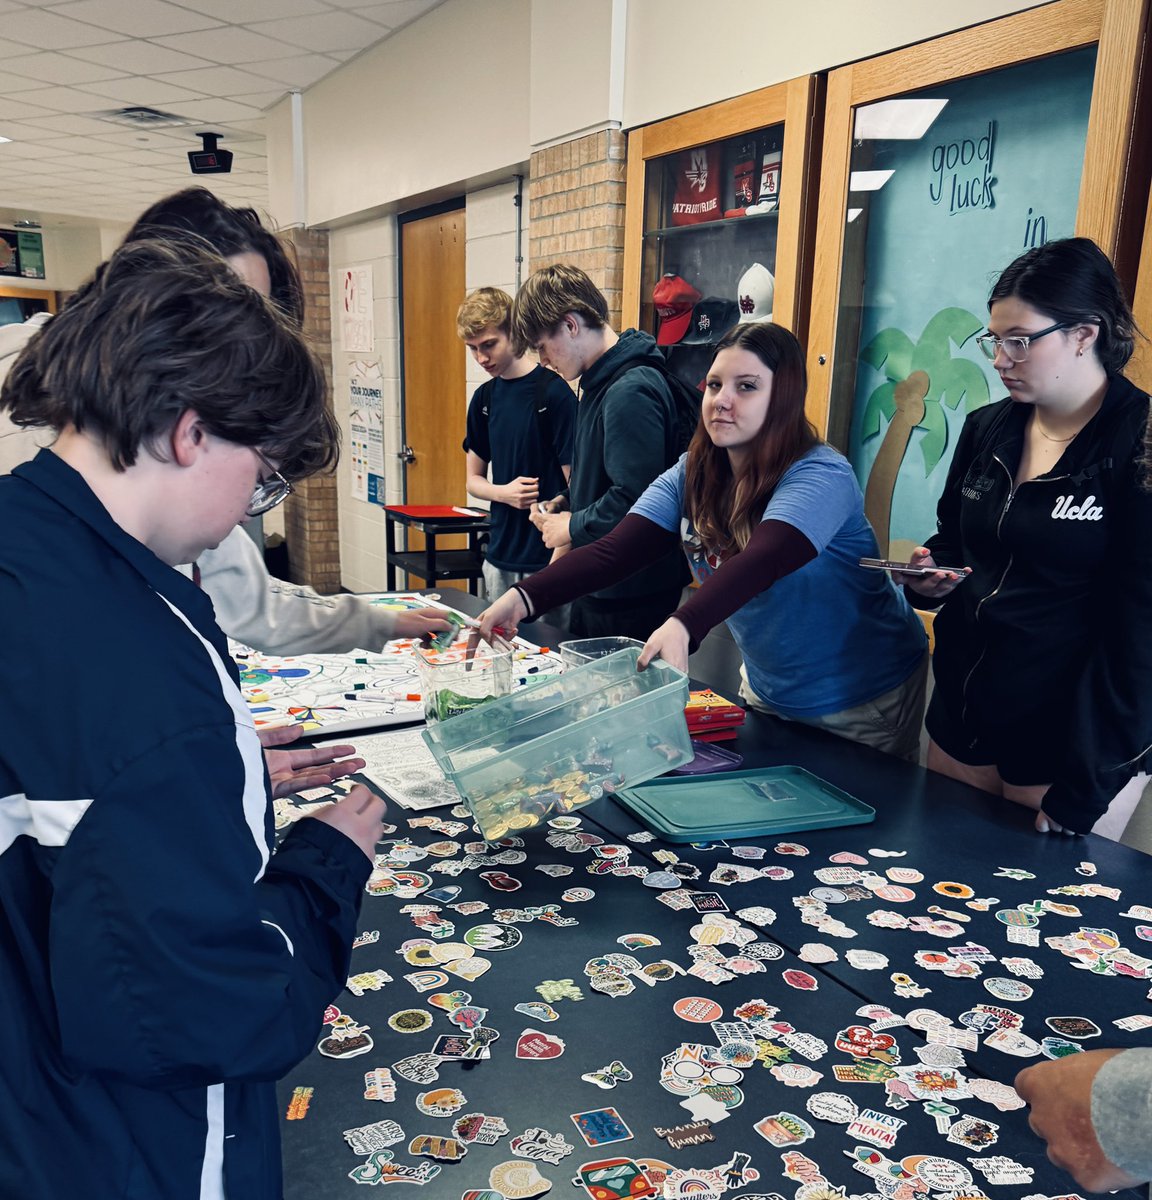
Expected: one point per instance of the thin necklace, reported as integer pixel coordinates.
(1048, 436)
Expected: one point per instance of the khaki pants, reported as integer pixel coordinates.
(890, 722)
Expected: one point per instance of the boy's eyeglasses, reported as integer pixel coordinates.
(268, 492)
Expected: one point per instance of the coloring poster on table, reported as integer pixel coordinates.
(366, 430)
(947, 187)
(364, 689)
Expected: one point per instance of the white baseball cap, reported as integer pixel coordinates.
(755, 294)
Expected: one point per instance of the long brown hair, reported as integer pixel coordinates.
(725, 509)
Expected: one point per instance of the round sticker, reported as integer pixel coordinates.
(895, 893)
(1008, 989)
(940, 1174)
(726, 1074)
(830, 895)
(958, 891)
(698, 1009)
(493, 936)
(687, 1068)
(410, 1020)
(661, 879)
(846, 856)
(1013, 916)
(779, 874)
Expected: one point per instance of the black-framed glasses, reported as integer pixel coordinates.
(268, 492)
(1016, 348)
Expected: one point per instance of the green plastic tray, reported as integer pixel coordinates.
(742, 804)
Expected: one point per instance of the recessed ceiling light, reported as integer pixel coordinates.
(4, 139)
(896, 120)
(868, 181)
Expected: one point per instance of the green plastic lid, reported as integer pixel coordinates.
(742, 804)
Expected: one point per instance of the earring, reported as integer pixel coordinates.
(1080, 352)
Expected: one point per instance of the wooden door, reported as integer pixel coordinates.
(433, 404)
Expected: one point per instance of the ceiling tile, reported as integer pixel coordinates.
(26, 151)
(218, 111)
(62, 99)
(63, 68)
(212, 81)
(10, 49)
(48, 30)
(60, 125)
(21, 110)
(230, 44)
(10, 84)
(135, 18)
(298, 72)
(331, 31)
(260, 100)
(243, 12)
(139, 57)
(151, 93)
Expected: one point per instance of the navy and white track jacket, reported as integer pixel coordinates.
(159, 967)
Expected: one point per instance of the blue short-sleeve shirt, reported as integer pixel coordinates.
(831, 635)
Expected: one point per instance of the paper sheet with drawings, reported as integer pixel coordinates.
(400, 764)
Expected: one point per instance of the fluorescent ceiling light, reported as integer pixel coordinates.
(896, 120)
(868, 181)
(853, 213)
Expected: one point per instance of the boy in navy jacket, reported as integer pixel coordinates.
(159, 965)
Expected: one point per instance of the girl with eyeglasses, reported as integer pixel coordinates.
(1043, 659)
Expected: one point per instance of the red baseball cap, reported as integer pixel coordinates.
(674, 299)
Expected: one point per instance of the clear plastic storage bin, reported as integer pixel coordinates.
(573, 654)
(453, 683)
(560, 743)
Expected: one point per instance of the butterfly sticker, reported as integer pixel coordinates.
(608, 1077)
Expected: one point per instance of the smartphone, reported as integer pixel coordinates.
(886, 564)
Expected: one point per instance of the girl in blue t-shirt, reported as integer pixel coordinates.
(772, 521)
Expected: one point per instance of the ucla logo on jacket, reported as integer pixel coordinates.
(1087, 510)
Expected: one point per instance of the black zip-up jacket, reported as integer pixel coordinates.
(625, 437)
(1050, 638)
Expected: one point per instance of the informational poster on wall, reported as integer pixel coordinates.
(357, 335)
(948, 187)
(31, 249)
(366, 430)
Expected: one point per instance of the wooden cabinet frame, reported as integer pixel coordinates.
(797, 104)
(25, 293)
(1112, 187)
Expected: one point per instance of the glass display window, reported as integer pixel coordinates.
(712, 216)
(717, 227)
(928, 193)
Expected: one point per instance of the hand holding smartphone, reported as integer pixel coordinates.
(905, 568)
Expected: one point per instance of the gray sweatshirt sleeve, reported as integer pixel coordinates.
(283, 618)
(1122, 1111)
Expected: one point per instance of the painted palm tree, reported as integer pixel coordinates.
(919, 378)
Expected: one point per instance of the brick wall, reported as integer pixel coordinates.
(311, 524)
(576, 206)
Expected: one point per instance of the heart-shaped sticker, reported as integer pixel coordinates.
(449, 1000)
(532, 1043)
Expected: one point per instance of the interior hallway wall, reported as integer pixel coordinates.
(490, 261)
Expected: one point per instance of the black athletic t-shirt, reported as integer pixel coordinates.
(508, 432)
